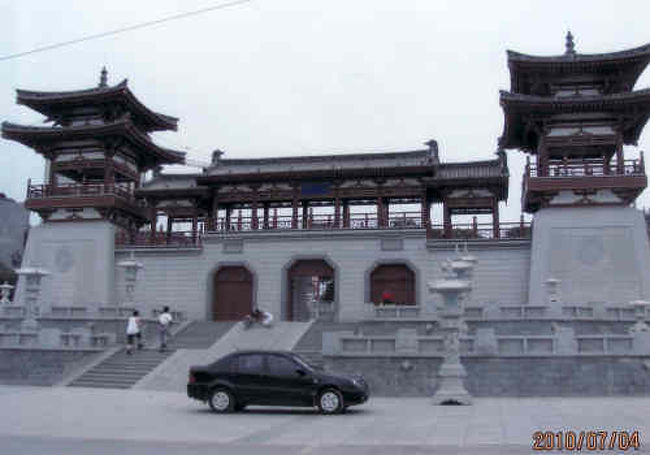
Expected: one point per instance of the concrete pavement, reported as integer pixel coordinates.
(86, 418)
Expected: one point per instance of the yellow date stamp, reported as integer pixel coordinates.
(587, 440)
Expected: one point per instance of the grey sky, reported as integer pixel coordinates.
(288, 77)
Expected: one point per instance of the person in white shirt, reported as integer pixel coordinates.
(164, 322)
(266, 319)
(133, 332)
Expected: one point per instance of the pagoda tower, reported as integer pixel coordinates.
(96, 150)
(572, 114)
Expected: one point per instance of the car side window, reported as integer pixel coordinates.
(281, 366)
(251, 364)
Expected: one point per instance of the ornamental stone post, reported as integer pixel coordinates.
(454, 288)
(131, 267)
(5, 290)
(33, 279)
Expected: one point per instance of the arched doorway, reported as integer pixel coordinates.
(233, 293)
(392, 283)
(310, 280)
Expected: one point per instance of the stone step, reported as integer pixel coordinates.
(121, 370)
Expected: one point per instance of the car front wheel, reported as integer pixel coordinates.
(330, 401)
(222, 400)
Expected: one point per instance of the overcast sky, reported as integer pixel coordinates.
(296, 77)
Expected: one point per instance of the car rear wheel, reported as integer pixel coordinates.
(330, 401)
(222, 400)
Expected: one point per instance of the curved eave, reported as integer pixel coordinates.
(634, 53)
(36, 137)
(48, 102)
(629, 64)
(514, 105)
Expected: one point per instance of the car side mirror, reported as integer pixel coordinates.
(300, 372)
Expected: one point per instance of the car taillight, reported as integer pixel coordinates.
(192, 379)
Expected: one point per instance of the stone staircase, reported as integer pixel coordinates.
(200, 334)
(310, 346)
(122, 371)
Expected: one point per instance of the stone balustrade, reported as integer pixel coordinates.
(485, 342)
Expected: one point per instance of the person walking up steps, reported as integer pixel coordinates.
(133, 333)
(164, 322)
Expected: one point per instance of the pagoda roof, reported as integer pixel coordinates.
(635, 104)
(39, 137)
(51, 103)
(625, 66)
(303, 163)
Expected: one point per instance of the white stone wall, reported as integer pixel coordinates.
(80, 259)
(600, 255)
(182, 279)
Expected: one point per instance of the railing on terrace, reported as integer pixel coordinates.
(183, 239)
(43, 191)
(405, 220)
(587, 168)
(466, 231)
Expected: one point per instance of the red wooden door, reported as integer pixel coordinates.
(233, 293)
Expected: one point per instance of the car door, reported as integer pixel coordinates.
(249, 378)
(288, 382)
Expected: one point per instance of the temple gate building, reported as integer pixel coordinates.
(343, 249)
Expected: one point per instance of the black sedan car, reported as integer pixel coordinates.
(272, 378)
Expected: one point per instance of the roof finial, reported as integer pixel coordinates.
(103, 78)
(570, 45)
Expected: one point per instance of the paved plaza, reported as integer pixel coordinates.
(79, 421)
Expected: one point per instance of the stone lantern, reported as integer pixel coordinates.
(131, 267)
(5, 290)
(454, 288)
(33, 278)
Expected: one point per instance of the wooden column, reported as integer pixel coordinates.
(619, 157)
(170, 220)
(346, 214)
(447, 221)
(213, 218)
(254, 219)
(294, 209)
(386, 216)
(153, 219)
(195, 225)
(337, 212)
(380, 213)
(228, 215)
(265, 222)
(425, 214)
(495, 219)
(305, 214)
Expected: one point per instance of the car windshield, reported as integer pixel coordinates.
(304, 363)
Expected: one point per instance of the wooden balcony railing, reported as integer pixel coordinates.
(44, 191)
(176, 239)
(572, 168)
